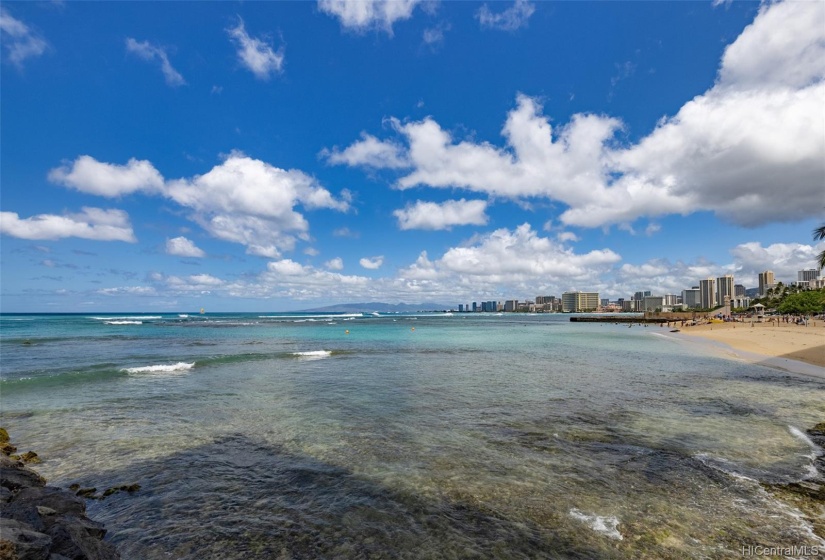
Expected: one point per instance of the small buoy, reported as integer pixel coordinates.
(412, 329)
(346, 331)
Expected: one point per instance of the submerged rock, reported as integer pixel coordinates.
(30, 457)
(39, 522)
(818, 430)
(86, 492)
(7, 449)
(123, 488)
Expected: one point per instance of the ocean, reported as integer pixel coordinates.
(267, 435)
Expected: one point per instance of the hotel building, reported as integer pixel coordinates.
(707, 293)
(691, 297)
(574, 302)
(766, 282)
(724, 288)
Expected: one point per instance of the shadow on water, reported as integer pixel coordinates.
(241, 498)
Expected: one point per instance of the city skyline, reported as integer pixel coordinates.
(715, 291)
(289, 155)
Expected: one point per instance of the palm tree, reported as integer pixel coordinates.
(819, 234)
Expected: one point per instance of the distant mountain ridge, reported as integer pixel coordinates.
(379, 307)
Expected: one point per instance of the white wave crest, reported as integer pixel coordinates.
(313, 354)
(122, 322)
(801, 436)
(161, 368)
(128, 318)
(723, 465)
(313, 316)
(607, 526)
(811, 471)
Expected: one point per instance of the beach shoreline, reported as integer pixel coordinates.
(785, 346)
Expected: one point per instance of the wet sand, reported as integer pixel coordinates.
(770, 343)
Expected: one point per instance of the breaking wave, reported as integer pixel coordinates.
(313, 354)
(161, 368)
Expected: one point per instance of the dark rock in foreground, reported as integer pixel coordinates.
(39, 522)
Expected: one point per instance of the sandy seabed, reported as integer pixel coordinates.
(774, 344)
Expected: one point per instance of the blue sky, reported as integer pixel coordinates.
(279, 156)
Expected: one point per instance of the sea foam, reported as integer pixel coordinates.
(161, 368)
(122, 322)
(607, 526)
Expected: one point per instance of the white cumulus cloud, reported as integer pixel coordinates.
(183, 247)
(150, 52)
(242, 200)
(128, 290)
(91, 223)
(364, 15)
(335, 264)
(434, 36)
(19, 40)
(435, 216)
(256, 54)
(88, 175)
(248, 201)
(369, 152)
(372, 263)
(510, 19)
(504, 262)
(749, 149)
(784, 259)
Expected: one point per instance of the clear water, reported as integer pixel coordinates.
(424, 436)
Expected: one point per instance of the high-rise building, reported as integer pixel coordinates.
(724, 287)
(511, 305)
(547, 303)
(807, 275)
(738, 290)
(707, 293)
(652, 303)
(579, 301)
(639, 299)
(672, 299)
(691, 298)
(766, 281)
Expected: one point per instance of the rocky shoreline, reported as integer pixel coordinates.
(40, 522)
(808, 496)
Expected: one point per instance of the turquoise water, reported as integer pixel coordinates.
(410, 436)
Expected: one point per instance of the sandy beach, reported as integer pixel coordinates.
(773, 342)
